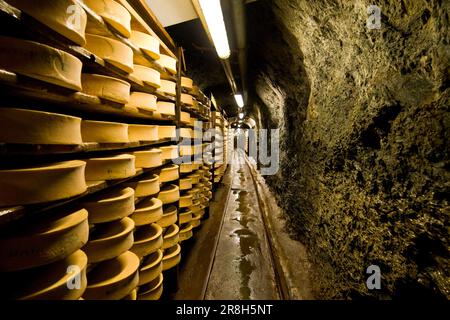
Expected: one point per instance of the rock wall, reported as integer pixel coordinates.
(364, 123)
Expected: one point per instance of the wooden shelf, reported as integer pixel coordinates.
(14, 213)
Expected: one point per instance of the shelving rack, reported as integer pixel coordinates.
(21, 91)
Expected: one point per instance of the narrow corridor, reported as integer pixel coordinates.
(243, 267)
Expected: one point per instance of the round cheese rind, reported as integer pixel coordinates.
(168, 87)
(167, 132)
(38, 127)
(39, 61)
(140, 132)
(172, 257)
(110, 240)
(169, 217)
(186, 83)
(169, 194)
(146, 186)
(147, 239)
(45, 241)
(151, 267)
(169, 152)
(42, 183)
(152, 290)
(148, 211)
(114, 14)
(110, 168)
(148, 75)
(147, 43)
(187, 99)
(105, 87)
(166, 108)
(186, 232)
(104, 132)
(113, 51)
(112, 206)
(148, 158)
(168, 62)
(66, 17)
(169, 173)
(143, 101)
(113, 279)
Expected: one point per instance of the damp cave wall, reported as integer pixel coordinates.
(364, 130)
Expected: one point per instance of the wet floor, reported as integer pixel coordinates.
(242, 266)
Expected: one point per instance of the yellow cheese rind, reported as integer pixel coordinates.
(146, 186)
(186, 168)
(185, 201)
(39, 61)
(112, 206)
(147, 239)
(167, 132)
(151, 267)
(168, 87)
(113, 279)
(169, 217)
(186, 83)
(168, 62)
(166, 108)
(169, 152)
(42, 183)
(38, 127)
(148, 158)
(171, 236)
(152, 290)
(143, 101)
(131, 296)
(66, 17)
(168, 173)
(147, 43)
(113, 51)
(148, 75)
(185, 216)
(110, 240)
(62, 280)
(147, 211)
(104, 132)
(187, 99)
(110, 168)
(45, 241)
(186, 232)
(114, 14)
(185, 117)
(169, 194)
(185, 183)
(105, 87)
(141, 132)
(172, 257)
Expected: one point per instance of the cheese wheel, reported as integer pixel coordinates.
(185, 183)
(186, 99)
(186, 133)
(186, 232)
(61, 280)
(145, 187)
(151, 267)
(186, 83)
(169, 194)
(45, 241)
(194, 177)
(148, 158)
(167, 132)
(185, 117)
(104, 132)
(171, 236)
(195, 207)
(147, 239)
(113, 51)
(38, 127)
(113, 279)
(196, 220)
(168, 87)
(112, 206)
(169, 217)
(152, 290)
(110, 168)
(186, 150)
(42, 183)
(169, 152)
(147, 211)
(148, 75)
(147, 43)
(172, 257)
(143, 101)
(185, 216)
(168, 173)
(167, 62)
(166, 108)
(186, 168)
(109, 240)
(131, 296)
(39, 61)
(140, 132)
(107, 88)
(185, 201)
(114, 14)
(58, 15)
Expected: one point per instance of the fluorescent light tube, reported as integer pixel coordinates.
(239, 100)
(216, 26)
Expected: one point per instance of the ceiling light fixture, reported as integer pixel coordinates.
(241, 115)
(216, 26)
(239, 100)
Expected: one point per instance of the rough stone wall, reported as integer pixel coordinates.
(364, 123)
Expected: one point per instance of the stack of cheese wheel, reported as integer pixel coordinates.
(110, 241)
(38, 262)
(186, 201)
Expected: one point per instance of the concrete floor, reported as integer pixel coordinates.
(243, 266)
